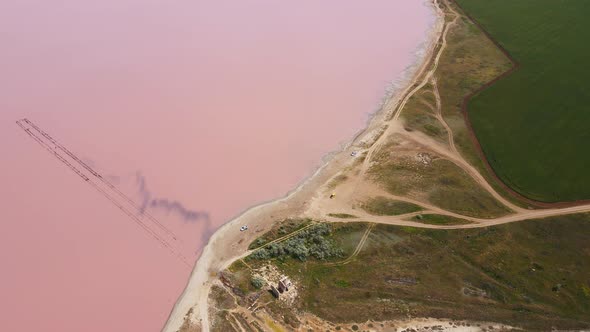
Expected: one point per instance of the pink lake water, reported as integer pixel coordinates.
(196, 110)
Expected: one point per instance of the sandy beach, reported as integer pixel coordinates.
(228, 244)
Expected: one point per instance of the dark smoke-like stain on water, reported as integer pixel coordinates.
(167, 205)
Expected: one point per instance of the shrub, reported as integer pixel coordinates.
(257, 243)
(312, 242)
(261, 254)
(257, 282)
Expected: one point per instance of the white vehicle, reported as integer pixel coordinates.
(353, 153)
(243, 228)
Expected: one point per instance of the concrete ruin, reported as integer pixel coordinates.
(284, 284)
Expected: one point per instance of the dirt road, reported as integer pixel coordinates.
(228, 244)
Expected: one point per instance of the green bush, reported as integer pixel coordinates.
(312, 242)
(257, 282)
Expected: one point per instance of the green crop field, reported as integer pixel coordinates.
(534, 125)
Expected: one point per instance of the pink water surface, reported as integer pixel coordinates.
(216, 105)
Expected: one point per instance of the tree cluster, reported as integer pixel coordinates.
(311, 242)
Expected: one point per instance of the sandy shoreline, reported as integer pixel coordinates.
(228, 244)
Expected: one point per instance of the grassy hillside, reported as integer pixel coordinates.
(533, 125)
(531, 274)
(440, 182)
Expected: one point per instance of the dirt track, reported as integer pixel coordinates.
(358, 248)
(394, 125)
(310, 199)
(347, 195)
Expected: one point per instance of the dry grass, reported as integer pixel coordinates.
(512, 274)
(382, 206)
(439, 219)
(416, 115)
(438, 181)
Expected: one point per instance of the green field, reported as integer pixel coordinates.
(533, 124)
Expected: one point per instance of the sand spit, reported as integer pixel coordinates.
(229, 244)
